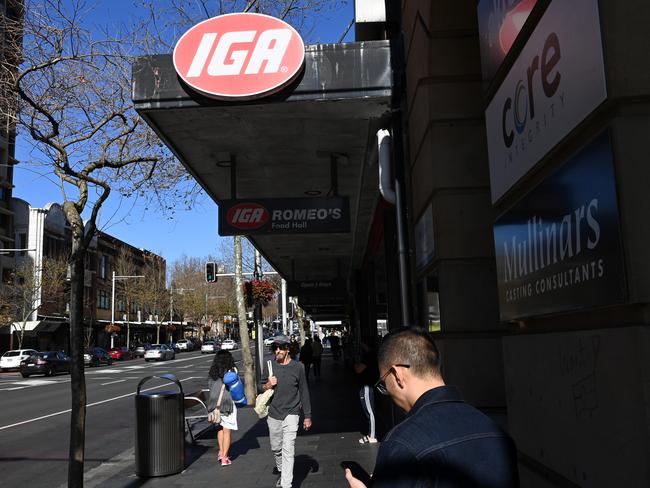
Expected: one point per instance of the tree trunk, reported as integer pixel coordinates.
(77, 379)
(247, 358)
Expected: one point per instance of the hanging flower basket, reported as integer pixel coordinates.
(112, 328)
(170, 327)
(207, 328)
(258, 291)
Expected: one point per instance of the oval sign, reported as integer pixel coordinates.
(247, 216)
(239, 56)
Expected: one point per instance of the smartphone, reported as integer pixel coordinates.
(357, 471)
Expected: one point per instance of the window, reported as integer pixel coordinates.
(22, 243)
(103, 267)
(103, 300)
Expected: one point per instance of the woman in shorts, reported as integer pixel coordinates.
(222, 363)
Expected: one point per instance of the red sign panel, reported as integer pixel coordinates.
(239, 56)
(247, 216)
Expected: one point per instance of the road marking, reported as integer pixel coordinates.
(90, 405)
(111, 382)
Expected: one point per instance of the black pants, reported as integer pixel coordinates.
(316, 361)
(367, 397)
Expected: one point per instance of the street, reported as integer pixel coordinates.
(34, 429)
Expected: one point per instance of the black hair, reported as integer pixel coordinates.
(222, 363)
(412, 346)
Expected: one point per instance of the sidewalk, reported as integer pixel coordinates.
(333, 439)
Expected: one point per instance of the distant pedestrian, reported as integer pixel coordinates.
(317, 354)
(291, 395)
(294, 347)
(306, 356)
(443, 441)
(222, 363)
(367, 374)
(335, 346)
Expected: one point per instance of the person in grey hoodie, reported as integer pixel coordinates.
(290, 397)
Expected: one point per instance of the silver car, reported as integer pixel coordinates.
(159, 352)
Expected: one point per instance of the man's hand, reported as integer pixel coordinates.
(352, 481)
(306, 424)
(272, 381)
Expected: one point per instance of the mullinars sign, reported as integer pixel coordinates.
(284, 216)
(559, 248)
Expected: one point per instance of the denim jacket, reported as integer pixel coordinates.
(444, 442)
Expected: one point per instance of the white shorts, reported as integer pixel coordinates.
(230, 421)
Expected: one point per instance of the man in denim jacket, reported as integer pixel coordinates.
(443, 442)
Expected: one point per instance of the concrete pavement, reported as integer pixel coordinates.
(319, 453)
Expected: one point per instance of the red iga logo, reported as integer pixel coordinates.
(239, 56)
(247, 216)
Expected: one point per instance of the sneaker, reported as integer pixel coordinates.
(225, 461)
(219, 457)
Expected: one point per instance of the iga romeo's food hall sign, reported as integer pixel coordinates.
(239, 56)
(284, 216)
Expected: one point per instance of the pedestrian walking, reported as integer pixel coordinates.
(317, 354)
(221, 364)
(290, 397)
(307, 356)
(367, 374)
(442, 441)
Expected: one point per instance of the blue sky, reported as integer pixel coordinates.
(194, 232)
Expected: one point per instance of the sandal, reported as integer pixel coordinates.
(367, 440)
(225, 461)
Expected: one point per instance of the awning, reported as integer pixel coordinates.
(316, 138)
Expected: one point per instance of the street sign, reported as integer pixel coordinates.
(284, 216)
(239, 56)
(316, 288)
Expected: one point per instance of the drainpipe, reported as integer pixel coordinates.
(405, 252)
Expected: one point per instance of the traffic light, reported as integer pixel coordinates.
(211, 272)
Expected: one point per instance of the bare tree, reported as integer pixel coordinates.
(70, 96)
(30, 288)
(151, 292)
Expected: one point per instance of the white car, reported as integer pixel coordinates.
(228, 344)
(270, 340)
(12, 359)
(208, 347)
(183, 345)
(159, 352)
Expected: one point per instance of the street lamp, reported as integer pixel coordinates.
(113, 304)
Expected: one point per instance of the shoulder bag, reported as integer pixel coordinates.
(263, 399)
(214, 417)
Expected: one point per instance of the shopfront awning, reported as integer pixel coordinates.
(314, 139)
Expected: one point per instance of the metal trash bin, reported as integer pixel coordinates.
(159, 431)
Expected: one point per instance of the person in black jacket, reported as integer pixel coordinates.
(367, 374)
(307, 356)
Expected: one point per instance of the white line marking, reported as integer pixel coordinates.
(89, 405)
(111, 382)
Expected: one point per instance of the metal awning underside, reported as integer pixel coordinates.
(282, 147)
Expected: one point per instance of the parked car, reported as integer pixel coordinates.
(271, 339)
(120, 353)
(139, 351)
(47, 363)
(184, 345)
(229, 344)
(12, 359)
(209, 347)
(159, 352)
(96, 356)
(174, 347)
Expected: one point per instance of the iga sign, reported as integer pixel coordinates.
(499, 23)
(557, 81)
(239, 56)
(284, 216)
(559, 248)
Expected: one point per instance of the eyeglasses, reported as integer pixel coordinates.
(381, 385)
(281, 347)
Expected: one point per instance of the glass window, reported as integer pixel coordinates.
(103, 300)
(103, 267)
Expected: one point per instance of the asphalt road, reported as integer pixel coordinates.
(35, 416)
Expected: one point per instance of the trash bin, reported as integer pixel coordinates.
(159, 431)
